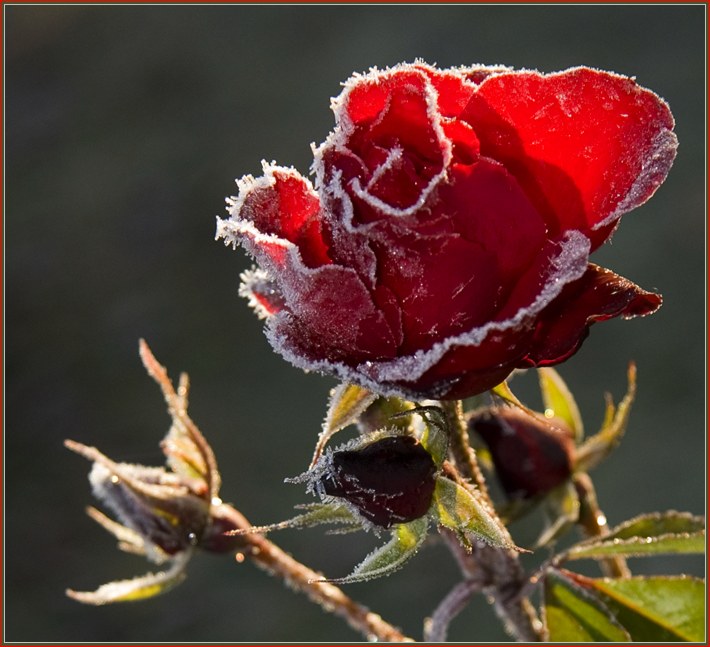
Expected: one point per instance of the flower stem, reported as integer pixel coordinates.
(502, 572)
(461, 451)
(269, 557)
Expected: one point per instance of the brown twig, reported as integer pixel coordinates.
(594, 524)
(269, 557)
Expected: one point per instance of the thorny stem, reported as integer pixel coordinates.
(269, 557)
(461, 451)
(594, 524)
(503, 575)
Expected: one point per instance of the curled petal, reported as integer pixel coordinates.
(598, 295)
(282, 204)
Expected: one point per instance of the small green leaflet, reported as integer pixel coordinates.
(559, 401)
(346, 405)
(138, 588)
(462, 511)
(596, 448)
(405, 542)
(316, 514)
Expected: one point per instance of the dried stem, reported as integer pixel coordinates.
(436, 627)
(269, 557)
(594, 524)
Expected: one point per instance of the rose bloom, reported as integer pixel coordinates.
(446, 238)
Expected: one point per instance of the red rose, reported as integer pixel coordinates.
(446, 241)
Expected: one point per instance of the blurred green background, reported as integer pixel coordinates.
(125, 128)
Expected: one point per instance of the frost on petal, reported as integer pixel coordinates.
(330, 315)
(598, 295)
(262, 292)
(284, 205)
(586, 145)
(444, 285)
(481, 357)
(390, 124)
(453, 89)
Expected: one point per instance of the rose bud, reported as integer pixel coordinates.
(388, 481)
(163, 513)
(531, 457)
(446, 240)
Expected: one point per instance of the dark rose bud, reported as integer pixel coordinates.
(389, 481)
(531, 456)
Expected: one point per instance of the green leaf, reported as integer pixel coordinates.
(595, 449)
(465, 511)
(657, 608)
(405, 542)
(652, 534)
(641, 546)
(575, 614)
(559, 401)
(434, 437)
(347, 402)
(658, 523)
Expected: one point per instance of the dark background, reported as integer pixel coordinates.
(125, 127)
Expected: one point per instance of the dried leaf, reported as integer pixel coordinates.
(138, 588)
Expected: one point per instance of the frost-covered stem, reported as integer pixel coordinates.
(461, 451)
(503, 575)
(499, 574)
(593, 522)
(269, 557)
(437, 626)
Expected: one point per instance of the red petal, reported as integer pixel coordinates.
(598, 295)
(286, 206)
(394, 110)
(586, 145)
(444, 286)
(331, 316)
(486, 205)
(453, 89)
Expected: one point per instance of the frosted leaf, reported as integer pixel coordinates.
(404, 544)
(316, 515)
(347, 403)
(465, 512)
